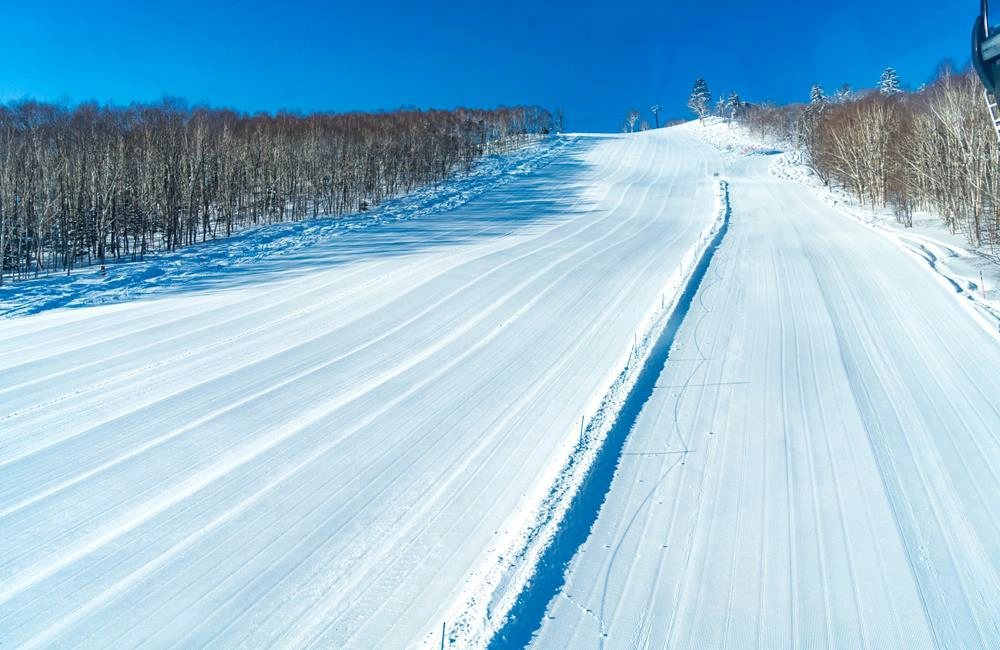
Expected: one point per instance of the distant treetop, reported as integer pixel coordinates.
(889, 83)
(700, 99)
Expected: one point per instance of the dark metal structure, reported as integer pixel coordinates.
(986, 49)
(986, 60)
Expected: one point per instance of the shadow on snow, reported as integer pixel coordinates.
(500, 195)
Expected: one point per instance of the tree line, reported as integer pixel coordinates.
(727, 107)
(931, 149)
(91, 184)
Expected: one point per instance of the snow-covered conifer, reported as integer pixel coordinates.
(733, 104)
(816, 96)
(889, 83)
(700, 98)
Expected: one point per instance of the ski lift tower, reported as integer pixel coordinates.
(986, 60)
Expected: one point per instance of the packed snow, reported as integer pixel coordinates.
(375, 431)
(819, 463)
(970, 273)
(333, 443)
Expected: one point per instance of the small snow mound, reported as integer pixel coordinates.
(732, 138)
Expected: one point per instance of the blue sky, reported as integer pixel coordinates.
(594, 59)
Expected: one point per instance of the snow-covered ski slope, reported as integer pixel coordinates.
(819, 465)
(320, 447)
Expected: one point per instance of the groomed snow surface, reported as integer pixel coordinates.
(820, 463)
(326, 452)
(346, 433)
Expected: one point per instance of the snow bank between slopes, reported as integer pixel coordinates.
(495, 586)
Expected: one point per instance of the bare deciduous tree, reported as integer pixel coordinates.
(631, 119)
(93, 184)
(933, 150)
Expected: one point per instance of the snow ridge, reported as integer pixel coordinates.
(489, 606)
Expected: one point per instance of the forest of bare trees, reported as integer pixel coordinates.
(91, 184)
(933, 149)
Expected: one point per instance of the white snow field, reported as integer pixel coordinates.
(350, 432)
(819, 464)
(316, 435)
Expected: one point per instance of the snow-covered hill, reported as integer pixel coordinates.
(334, 443)
(374, 432)
(819, 463)
(974, 277)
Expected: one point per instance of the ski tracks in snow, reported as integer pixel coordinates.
(350, 454)
(322, 459)
(839, 483)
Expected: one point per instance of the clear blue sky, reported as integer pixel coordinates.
(594, 59)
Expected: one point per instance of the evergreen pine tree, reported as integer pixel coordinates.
(889, 83)
(811, 114)
(733, 105)
(700, 98)
(816, 96)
